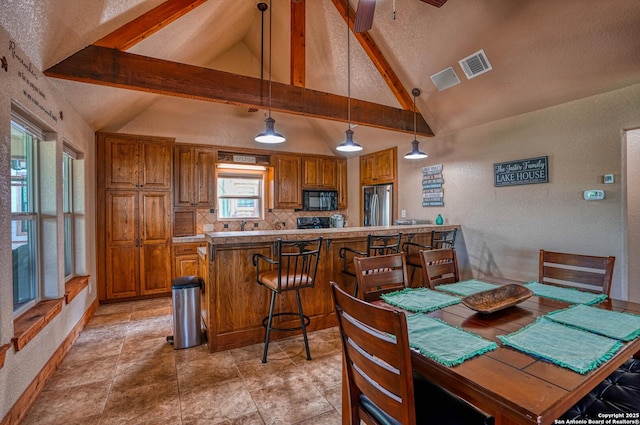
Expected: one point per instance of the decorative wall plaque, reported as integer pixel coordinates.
(522, 171)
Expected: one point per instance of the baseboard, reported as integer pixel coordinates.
(28, 397)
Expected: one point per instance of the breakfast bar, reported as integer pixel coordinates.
(233, 304)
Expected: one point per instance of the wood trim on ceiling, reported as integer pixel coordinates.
(114, 68)
(298, 69)
(376, 56)
(148, 23)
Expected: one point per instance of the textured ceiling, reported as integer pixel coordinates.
(543, 52)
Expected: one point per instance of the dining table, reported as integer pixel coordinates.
(510, 385)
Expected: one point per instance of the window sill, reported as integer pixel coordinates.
(74, 286)
(3, 353)
(28, 325)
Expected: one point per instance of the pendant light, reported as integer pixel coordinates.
(270, 135)
(415, 151)
(349, 145)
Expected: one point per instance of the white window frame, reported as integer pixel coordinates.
(242, 173)
(36, 136)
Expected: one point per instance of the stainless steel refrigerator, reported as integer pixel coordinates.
(377, 204)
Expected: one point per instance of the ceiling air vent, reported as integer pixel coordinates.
(445, 79)
(475, 65)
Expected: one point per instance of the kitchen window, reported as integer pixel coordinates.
(240, 192)
(25, 222)
(73, 205)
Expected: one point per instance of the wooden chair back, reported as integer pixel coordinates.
(377, 359)
(380, 274)
(439, 266)
(585, 272)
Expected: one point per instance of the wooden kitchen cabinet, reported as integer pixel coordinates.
(342, 184)
(193, 183)
(136, 162)
(379, 167)
(133, 215)
(288, 179)
(185, 259)
(137, 252)
(319, 173)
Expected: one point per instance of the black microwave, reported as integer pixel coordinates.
(320, 200)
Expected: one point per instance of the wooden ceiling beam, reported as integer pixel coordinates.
(376, 56)
(114, 68)
(298, 70)
(143, 26)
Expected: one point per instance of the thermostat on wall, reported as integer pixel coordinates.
(593, 195)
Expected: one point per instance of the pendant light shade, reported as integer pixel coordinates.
(415, 152)
(415, 149)
(269, 135)
(349, 145)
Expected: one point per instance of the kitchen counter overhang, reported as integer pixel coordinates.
(234, 304)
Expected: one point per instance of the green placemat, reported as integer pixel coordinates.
(575, 349)
(445, 343)
(570, 295)
(467, 287)
(623, 326)
(419, 300)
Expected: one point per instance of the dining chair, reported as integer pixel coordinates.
(293, 269)
(380, 384)
(585, 272)
(380, 274)
(439, 266)
(376, 245)
(439, 239)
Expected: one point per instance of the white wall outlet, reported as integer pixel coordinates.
(403, 213)
(208, 227)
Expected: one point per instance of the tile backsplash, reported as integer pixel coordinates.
(274, 219)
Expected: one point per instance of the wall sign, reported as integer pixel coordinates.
(522, 171)
(432, 192)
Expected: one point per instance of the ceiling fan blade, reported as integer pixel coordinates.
(436, 3)
(364, 15)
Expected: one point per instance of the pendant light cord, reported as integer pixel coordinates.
(415, 131)
(348, 67)
(270, 60)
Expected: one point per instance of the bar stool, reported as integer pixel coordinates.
(376, 245)
(294, 268)
(439, 239)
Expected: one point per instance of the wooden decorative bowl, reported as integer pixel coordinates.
(497, 299)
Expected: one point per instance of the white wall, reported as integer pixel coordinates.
(632, 162)
(17, 83)
(504, 228)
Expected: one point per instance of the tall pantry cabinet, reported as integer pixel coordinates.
(134, 215)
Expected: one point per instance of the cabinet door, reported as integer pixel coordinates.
(183, 158)
(155, 236)
(187, 265)
(288, 190)
(367, 165)
(121, 163)
(155, 164)
(311, 172)
(122, 251)
(204, 195)
(385, 162)
(342, 184)
(329, 174)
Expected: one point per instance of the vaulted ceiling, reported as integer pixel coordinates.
(543, 53)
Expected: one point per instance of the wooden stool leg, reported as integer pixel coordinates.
(269, 322)
(304, 327)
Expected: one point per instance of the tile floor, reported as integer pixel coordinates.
(121, 370)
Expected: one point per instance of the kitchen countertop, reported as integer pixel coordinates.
(218, 238)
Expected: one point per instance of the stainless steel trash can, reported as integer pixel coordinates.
(186, 312)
